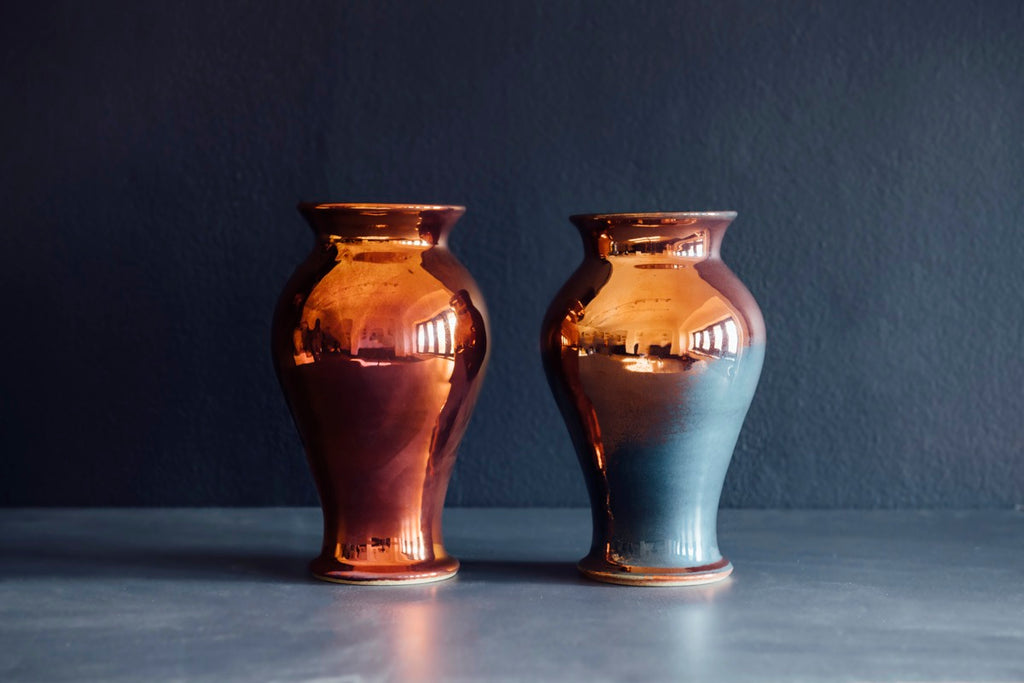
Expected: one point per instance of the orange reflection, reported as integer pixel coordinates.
(415, 627)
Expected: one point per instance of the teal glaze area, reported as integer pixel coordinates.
(668, 439)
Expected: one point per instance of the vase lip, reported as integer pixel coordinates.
(382, 221)
(383, 207)
(661, 216)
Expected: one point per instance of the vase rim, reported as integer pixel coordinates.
(356, 207)
(646, 215)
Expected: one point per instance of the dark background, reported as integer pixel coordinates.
(151, 158)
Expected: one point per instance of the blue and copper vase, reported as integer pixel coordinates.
(653, 350)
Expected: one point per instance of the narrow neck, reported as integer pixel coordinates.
(404, 223)
(671, 236)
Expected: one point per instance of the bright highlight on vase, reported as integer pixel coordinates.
(653, 350)
(380, 344)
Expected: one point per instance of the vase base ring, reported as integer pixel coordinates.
(333, 571)
(655, 576)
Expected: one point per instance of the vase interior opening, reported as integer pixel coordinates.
(653, 218)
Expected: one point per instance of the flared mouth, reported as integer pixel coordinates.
(653, 217)
(378, 207)
(426, 223)
(686, 234)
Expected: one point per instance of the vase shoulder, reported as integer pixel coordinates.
(654, 305)
(377, 300)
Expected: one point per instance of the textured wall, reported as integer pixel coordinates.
(151, 158)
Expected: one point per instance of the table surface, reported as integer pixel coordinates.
(223, 595)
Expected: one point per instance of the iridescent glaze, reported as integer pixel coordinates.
(653, 349)
(380, 344)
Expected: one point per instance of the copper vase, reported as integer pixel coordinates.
(380, 344)
(653, 349)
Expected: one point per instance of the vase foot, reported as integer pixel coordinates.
(334, 571)
(626, 575)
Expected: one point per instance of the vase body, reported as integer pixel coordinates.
(380, 343)
(653, 350)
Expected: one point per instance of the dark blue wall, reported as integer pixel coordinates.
(151, 158)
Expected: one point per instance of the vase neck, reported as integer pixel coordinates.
(683, 236)
(405, 223)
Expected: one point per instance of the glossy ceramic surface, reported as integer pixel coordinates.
(653, 349)
(380, 344)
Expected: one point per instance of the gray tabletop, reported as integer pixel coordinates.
(223, 595)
